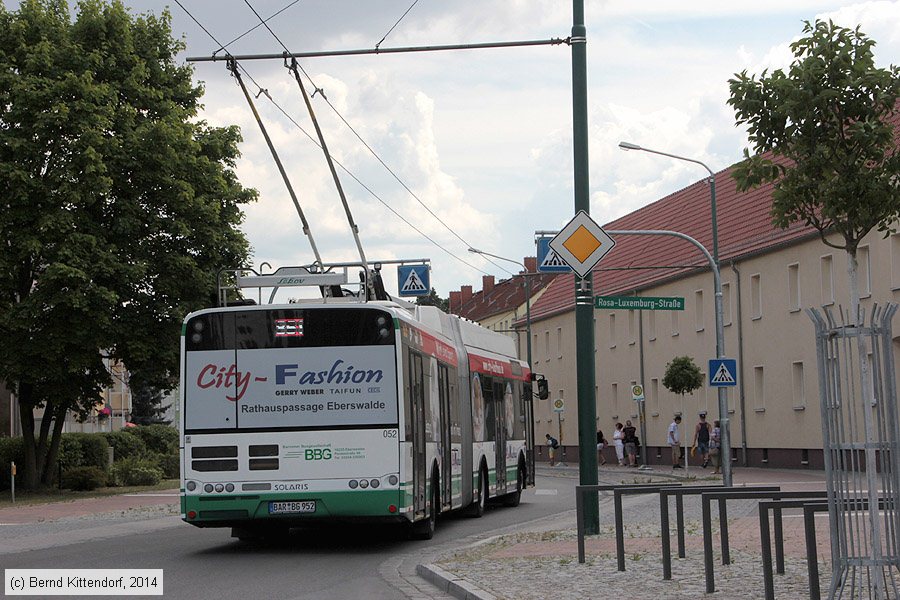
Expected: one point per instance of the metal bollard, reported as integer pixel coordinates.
(12, 471)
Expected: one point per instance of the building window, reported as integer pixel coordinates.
(863, 272)
(794, 287)
(534, 345)
(654, 394)
(895, 262)
(612, 330)
(547, 344)
(674, 314)
(632, 330)
(827, 267)
(755, 297)
(698, 310)
(651, 325)
(726, 304)
(759, 388)
(614, 400)
(798, 385)
(559, 343)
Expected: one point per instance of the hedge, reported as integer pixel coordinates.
(135, 471)
(83, 450)
(158, 438)
(125, 445)
(84, 478)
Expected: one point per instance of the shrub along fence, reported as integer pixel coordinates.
(142, 455)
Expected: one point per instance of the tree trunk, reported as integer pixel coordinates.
(59, 419)
(26, 418)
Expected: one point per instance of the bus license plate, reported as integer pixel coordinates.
(285, 508)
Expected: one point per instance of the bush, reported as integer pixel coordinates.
(169, 464)
(11, 450)
(83, 450)
(125, 445)
(135, 471)
(161, 439)
(84, 478)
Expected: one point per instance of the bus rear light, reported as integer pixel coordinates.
(363, 483)
(391, 509)
(219, 487)
(354, 484)
(191, 486)
(375, 483)
(393, 480)
(208, 488)
(229, 487)
(192, 515)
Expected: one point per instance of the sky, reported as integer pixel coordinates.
(483, 138)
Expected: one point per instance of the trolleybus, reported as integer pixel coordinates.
(347, 408)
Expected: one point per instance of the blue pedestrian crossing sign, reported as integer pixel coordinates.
(722, 372)
(413, 280)
(548, 261)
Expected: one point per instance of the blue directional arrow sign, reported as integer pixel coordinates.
(548, 261)
(722, 372)
(413, 280)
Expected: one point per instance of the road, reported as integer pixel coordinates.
(320, 563)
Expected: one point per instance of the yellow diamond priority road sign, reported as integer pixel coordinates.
(582, 243)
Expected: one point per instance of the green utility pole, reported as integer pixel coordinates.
(584, 293)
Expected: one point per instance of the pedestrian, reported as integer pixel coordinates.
(631, 443)
(715, 447)
(552, 445)
(601, 444)
(673, 438)
(701, 438)
(619, 441)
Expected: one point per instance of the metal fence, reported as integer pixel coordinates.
(857, 389)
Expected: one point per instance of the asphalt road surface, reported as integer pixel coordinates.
(336, 562)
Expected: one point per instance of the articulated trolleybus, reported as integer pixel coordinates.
(349, 406)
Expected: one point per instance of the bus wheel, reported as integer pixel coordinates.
(515, 497)
(424, 529)
(477, 508)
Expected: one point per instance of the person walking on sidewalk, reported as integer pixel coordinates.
(619, 441)
(715, 448)
(552, 445)
(631, 443)
(673, 440)
(601, 444)
(701, 438)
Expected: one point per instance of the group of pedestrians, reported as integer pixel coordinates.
(706, 442)
(626, 443)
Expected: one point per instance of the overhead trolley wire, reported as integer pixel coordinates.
(367, 146)
(255, 27)
(397, 23)
(343, 168)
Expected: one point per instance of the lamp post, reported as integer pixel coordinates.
(725, 442)
(525, 275)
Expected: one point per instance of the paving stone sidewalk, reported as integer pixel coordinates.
(541, 563)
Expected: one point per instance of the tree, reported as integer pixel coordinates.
(820, 133)
(432, 299)
(117, 207)
(146, 406)
(682, 376)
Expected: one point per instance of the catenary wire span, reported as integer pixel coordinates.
(372, 150)
(343, 168)
(394, 26)
(257, 26)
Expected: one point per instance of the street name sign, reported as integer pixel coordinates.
(582, 243)
(722, 372)
(638, 303)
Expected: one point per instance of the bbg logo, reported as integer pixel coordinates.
(317, 454)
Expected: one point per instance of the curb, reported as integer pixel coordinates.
(451, 584)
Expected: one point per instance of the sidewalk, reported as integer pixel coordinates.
(55, 511)
(538, 562)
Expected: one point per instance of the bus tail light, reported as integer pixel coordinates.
(353, 484)
(392, 508)
(374, 483)
(193, 515)
(393, 480)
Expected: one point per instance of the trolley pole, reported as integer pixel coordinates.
(584, 295)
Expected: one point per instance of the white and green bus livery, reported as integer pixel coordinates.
(348, 410)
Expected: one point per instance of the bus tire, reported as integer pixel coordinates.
(424, 529)
(476, 510)
(512, 499)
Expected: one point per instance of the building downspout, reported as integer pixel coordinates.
(740, 359)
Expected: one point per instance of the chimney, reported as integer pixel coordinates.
(465, 293)
(487, 283)
(530, 264)
(455, 302)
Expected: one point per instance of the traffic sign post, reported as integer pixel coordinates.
(637, 394)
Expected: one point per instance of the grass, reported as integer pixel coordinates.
(48, 495)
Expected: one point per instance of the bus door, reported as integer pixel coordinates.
(528, 404)
(500, 435)
(444, 435)
(417, 401)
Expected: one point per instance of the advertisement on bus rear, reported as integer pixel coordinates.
(291, 387)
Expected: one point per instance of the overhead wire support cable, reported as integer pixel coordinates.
(398, 50)
(255, 27)
(394, 26)
(233, 67)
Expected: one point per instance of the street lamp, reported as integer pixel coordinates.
(525, 275)
(725, 442)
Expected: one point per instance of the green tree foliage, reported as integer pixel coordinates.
(819, 131)
(432, 299)
(147, 406)
(682, 376)
(117, 207)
